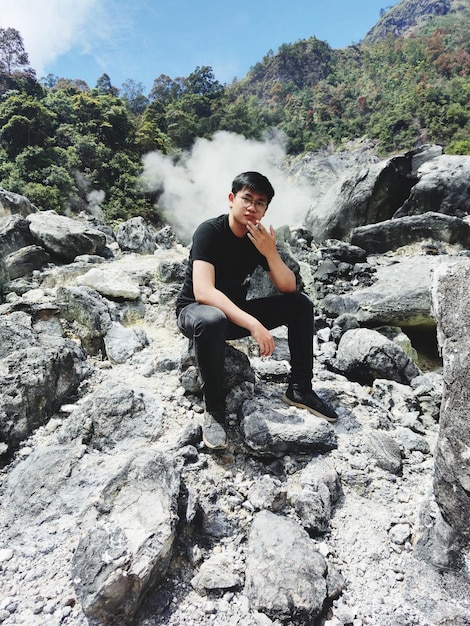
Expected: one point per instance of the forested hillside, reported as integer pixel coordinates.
(66, 145)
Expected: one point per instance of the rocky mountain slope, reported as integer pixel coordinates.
(411, 16)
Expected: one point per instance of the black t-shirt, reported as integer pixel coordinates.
(234, 259)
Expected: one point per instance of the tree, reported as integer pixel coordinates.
(49, 81)
(104, 86)
(167, 90)
(73, 85)
(132, 93)
(14, 59)
(202, 82)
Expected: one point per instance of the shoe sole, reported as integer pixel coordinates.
(212, 447)
(331, 420)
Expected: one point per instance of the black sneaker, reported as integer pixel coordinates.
(213, 431)
(305, 398)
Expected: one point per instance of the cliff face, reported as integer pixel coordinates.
(411, 16)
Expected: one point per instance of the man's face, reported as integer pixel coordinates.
(248, 206)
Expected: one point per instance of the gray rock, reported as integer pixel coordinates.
(313, 508)
(4, 277)
(14, 234)
(412, 441)
(89, 313)
(114, 415)
(127, 539)
(25, 260)
(14, 204)
(110, 283)
(320, 472)
(443, 186)
(386, 451)
(402, 185)
(270, 431)
(165, 237)
(135, 236)
(285, 574)
(313, 499)
(39, 371)
(63, 237)
(400, 295)
(172, 271)
(217, 573)
(452, 474)
(39, 489)
(398, 232)
(267, 493)
(362, 197)
(213, 519)
(399, 533)
(122, 343)
(364, 355)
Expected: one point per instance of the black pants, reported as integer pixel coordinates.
(209, 328)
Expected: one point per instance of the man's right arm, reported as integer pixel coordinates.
(206, 292)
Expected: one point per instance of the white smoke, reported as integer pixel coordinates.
(196, 186)
(95, 199)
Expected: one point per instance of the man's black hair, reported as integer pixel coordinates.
(254, 181)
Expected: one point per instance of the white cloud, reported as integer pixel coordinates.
(50, 28)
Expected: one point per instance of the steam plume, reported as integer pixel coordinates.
(196, 186)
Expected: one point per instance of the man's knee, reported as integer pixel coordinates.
(211, 321)
(301, 302)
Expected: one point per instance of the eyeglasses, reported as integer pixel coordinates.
(258, 205)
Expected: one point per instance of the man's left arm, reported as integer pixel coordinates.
(265, 242)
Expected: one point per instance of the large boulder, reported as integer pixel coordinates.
(24, 261)
(400, 296)
(115, 284)
(40, 371)
(122, 343)
(127, 538)
(366, 196)
(443, 186)
(364, 355)
(395, 233)
(313, 498)
(285, 573)
(112, 416)
(14, 234)
(451, 298)
(273, 431)
(89, 314)
(63, 237)
(14, 204)
(135, 236)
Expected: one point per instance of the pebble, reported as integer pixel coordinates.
(5, 555)
(399, 533)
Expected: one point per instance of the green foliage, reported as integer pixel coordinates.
(24, 122)
(44, 197)
(104, 86)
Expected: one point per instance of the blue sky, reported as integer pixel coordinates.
(141, 39)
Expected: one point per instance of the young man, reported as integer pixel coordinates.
(212, 305)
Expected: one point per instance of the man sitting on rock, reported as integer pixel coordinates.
(212, 305)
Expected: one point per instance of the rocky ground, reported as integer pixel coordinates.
(371, 539)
